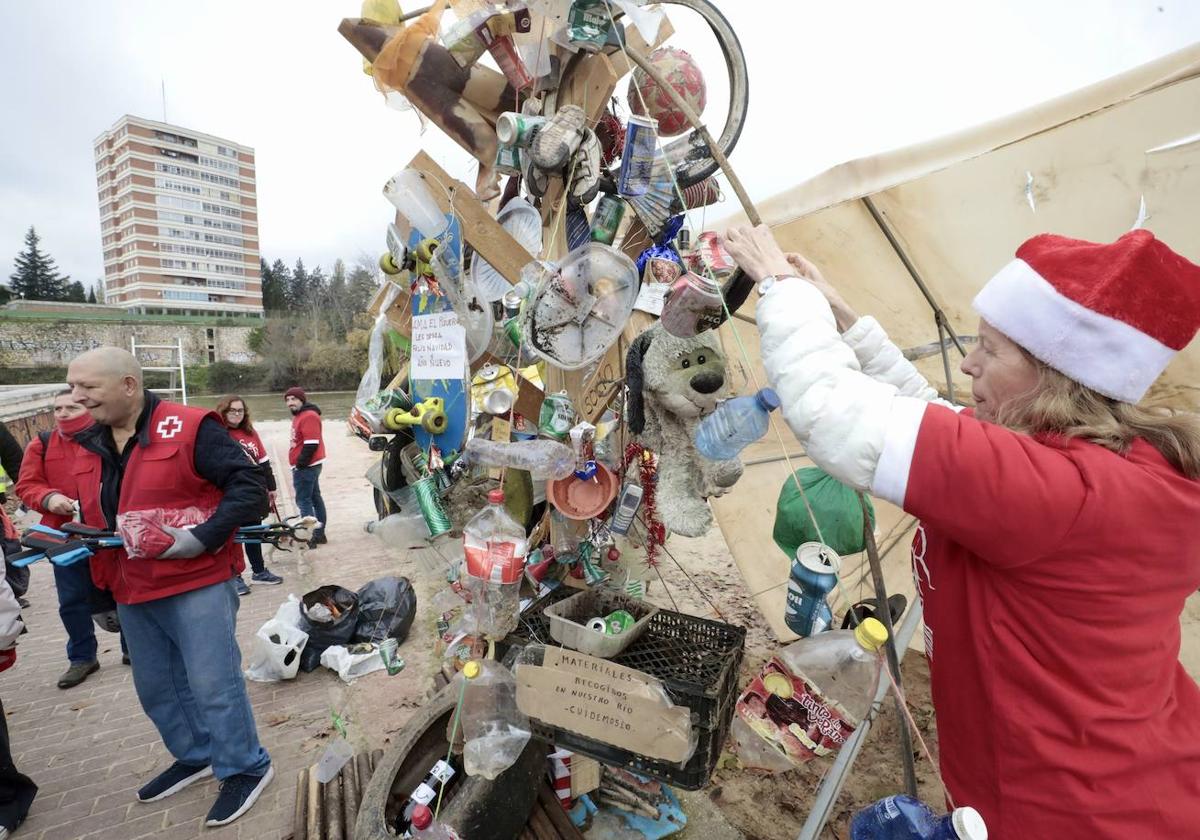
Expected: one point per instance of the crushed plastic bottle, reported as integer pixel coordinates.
(811, 696)
(906, 818)
(735, 425)
(495, 546)
(494, 730)
(542, 459)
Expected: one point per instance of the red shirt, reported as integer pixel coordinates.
(1053, 574)
(306, 428)
(253, 445)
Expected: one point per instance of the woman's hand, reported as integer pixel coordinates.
(842, 313)
(756, 252)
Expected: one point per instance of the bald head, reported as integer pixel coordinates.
(108, 382)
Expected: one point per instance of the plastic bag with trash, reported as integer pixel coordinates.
(353, 661)
(143, 530)
(329, 615)
(386, 608)
(276, 652)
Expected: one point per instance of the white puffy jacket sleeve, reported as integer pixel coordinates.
(858, 429)
(11, 624)
(881, 359)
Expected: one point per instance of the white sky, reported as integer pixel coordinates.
(829, 81)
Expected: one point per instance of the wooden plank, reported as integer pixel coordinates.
(333, 809)
(315, 801)
(300, 809)
(350, 797)
(479, 229)
(562, 823)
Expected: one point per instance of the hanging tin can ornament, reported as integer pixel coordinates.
(606, 221)
(430, 503)
(693, 305)
(637, 159)
(557, 416)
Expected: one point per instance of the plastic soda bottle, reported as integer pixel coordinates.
(735, 424)
(814, 575)
(810, 697)
(905, 818)
(494, 546)
(424, 827)
(494, 730)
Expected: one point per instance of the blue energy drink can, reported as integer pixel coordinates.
(813, 577)
(637, 160)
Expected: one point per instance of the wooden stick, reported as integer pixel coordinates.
(363, 766)
(350, 796)
(543, 829)
(562, 822)
(375, 756)
(299, 812)
(333, 809)
(314, 806)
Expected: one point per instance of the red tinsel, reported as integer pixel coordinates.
(611, 134)
(656, 532)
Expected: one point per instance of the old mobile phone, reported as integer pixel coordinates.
(630, 501)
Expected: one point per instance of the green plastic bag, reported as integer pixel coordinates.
(835, 506)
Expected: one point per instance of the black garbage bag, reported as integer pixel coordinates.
(338, 630)
(386, 608)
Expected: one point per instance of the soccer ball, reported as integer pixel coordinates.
(681, 71)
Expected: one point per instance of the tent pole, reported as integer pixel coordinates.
(912, 271)
(945, 358)
(831, 785)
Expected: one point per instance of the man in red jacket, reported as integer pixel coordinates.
(306, 454)
(47, 485)
(148, 458)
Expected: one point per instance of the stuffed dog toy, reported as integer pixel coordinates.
(673, 383)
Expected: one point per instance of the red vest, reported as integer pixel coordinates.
(58, 464)
(159, 475)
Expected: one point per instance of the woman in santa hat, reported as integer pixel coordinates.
(1058, 521)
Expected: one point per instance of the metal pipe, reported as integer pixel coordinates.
(831, 785)
(946, 361)
(912, 270)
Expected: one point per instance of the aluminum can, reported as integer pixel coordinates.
(637, 160)
(557, 416)
(513, 129)
(430, 502)
(619, 621)
(814, 575)
(607, 219)
(508, 159)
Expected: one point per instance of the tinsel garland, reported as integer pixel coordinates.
(656, 532)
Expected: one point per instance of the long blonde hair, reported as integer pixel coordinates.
(1060, 405)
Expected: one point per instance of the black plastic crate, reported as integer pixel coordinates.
(696, 659)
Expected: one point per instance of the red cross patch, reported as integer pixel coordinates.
(168, 427)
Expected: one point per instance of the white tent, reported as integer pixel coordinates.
(949, 213)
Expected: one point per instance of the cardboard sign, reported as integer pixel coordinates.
(439, 347)
(606, 702)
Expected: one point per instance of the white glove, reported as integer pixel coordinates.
(186, 544)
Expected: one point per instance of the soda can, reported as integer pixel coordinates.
(637, 160)
(813, 577)
(512, 329)
(508, 159)
(607, 219)
(598, 625)
(514, 129)
(499, 401)
(619, 621)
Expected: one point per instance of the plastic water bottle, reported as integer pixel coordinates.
(542, 459)
(494, 546)
(905, 818)
(811, 696)
(494, 730)
(735, 424)
(814, 575)
(425, 828)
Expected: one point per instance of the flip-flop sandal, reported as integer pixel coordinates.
(868, 607)
(559, 138)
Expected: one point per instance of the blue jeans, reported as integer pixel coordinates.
(74, 585)
(187, 670)
(307, 483)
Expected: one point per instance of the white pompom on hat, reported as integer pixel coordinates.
(1110, 316)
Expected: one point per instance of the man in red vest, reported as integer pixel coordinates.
(47, 485)
(306, 454)
(179, 609)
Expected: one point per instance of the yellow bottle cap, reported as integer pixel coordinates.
(871, 634)
(779, 685)
(471, 669)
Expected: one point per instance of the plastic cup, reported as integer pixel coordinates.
(408, 192)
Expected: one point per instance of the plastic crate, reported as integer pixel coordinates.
(567, 620)
(696, 659)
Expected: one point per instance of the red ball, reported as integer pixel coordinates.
(683, 74)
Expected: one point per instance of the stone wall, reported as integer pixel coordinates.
(30, 343)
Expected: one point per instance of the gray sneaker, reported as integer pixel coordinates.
(240, 586)
(265, 578)
(77, 673)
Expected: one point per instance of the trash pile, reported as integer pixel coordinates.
(551, 400)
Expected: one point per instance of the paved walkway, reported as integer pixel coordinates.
(91, 747)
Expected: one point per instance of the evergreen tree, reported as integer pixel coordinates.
(274, 294)
(281, 277)
(75, 293)
(36, 276)
(336, 313)
(298, 289)
(91, 298)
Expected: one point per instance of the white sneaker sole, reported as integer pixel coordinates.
(180, 785)
(250, 800)
(254, 582)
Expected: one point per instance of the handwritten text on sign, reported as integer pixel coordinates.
(606, 702)
(439, 347)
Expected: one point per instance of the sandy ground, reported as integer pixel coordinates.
(699, 578)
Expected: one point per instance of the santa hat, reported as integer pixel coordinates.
(297, 392)
(1110, 316)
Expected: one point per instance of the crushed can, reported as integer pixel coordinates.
(557, 416)
(588, 25)
(693, 305)
(515, 129)
(637, 160)
(619, 621)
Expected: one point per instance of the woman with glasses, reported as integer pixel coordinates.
(236, 415)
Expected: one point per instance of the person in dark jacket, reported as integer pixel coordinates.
(306, 454)
(165, 465)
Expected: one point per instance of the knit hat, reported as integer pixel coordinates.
(1110, 316)
(297, 392)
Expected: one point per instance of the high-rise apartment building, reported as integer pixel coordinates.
(178, 221)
